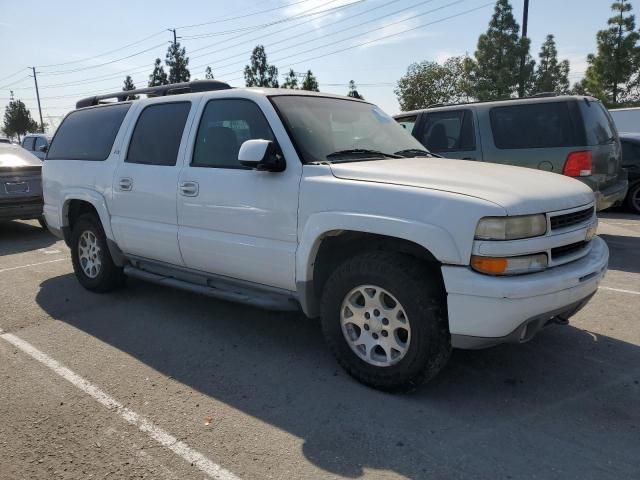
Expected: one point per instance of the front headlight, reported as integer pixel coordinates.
(511, 228)
(509, 265)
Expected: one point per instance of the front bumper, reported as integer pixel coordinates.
(485, 310)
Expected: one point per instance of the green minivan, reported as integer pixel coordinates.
(570, 135)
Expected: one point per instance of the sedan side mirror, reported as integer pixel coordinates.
(43, 148)
(261, 155)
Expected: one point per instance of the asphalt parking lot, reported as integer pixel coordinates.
(149, 382)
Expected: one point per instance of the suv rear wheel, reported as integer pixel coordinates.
(383, 317)
(90, 255)
(633, 198)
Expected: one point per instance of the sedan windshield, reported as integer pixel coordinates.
(340, 130)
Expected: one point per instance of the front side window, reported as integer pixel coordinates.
(407, 122)
(333, 129)
(630, 154)
(450, 131)
(157, 135)
(225, 125)
(40, 142)
(533, 125)
(88, 134)
(28, 143)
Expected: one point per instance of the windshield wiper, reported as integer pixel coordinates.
(361, 153)
(415, 152)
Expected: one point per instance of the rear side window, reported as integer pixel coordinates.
(225, 125)
(156, 138)
(598, 126)
(88, 134)
(450, 131)
(407, 122)
(537, 125)
(28, 143)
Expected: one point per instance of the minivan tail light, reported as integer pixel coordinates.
(578, 164)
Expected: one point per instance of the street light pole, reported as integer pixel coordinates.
(525, 24)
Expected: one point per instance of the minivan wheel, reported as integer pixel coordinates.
(383, 317)
(633, 198)
(92, 262)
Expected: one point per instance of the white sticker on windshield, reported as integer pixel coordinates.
(381, 116)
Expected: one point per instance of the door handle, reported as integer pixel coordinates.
(189, 189)
(125, 184)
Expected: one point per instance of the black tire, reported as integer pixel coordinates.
(109, 276)
(422, 297)
(633, 198)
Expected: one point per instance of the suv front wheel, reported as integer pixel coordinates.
(92, 262)
(383, 317)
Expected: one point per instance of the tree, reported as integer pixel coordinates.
(178, 64)
(259, 73)
(551, 75)
(310, 82)
(158, 76)
(291, 80)
(353, 92)
(17, 119)
(614, 68)
(428, 83)
(496, 71)
(208, 74)
(128, 85)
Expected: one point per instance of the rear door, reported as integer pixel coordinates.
(450, 133)
(144, 218)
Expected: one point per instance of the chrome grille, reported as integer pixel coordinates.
(571, 219)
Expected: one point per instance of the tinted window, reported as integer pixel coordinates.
(407, 122)
(40, 141)
(88, 134)
(450, 131)
(597, 125)
(225, 125)
(630, 153)
(538, 125)
(156, 138)
(28, 143)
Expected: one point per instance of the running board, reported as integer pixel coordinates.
(232, 292)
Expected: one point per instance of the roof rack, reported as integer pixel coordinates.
(159, 91)
(505, 99)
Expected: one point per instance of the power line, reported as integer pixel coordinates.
(102, 54)
(13, 74)
(361, 33)
(351, 47)
(13, 83)
(228, 19)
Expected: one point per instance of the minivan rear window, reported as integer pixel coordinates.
(536, 125)
(597, 124)
(88, 134)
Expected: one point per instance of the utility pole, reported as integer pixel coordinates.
(35, 79)
(175, 39)
(525, 22)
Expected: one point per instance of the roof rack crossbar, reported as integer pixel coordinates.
(159, 91)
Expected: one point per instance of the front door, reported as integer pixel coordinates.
(144, 217)
(235, 221)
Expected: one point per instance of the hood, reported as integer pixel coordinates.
(518, 190)
(15, 157)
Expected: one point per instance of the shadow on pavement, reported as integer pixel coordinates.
(563, 406)
(624, 252)
(18, 237)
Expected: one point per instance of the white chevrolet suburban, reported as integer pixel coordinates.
(286, 199)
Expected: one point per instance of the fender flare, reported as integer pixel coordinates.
(95, 199)
(433, 238)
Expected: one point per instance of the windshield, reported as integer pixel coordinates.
(332, 129)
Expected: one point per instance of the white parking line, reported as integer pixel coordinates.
(632, 292)
(32, 265)
(165, 439)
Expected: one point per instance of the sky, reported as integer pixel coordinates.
(81, 48)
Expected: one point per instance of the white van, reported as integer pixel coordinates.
(627, 119)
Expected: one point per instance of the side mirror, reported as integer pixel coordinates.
(261, 155)
(43, 148)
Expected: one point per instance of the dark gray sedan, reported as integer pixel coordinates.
(20, 184)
